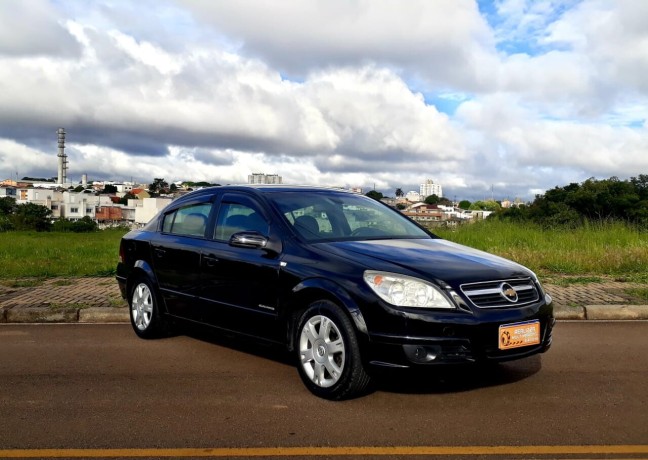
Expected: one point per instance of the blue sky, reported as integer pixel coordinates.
(513, 96)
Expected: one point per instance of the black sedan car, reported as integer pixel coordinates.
(343, 281)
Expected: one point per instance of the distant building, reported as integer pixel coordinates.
(147, 208)
(424, 214)
(8, 191)
(413, 196)
(430, 188)
(126, 187)
(260, 178)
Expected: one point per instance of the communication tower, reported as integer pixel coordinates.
(62, 157)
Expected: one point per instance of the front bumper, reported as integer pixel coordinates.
(457, 344)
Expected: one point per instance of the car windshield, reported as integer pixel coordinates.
(331, 215)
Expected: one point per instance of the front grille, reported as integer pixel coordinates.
(492, 294)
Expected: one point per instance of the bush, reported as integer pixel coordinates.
(31, 216)
(84, 225)
(5, 223)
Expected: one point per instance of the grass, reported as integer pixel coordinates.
(22, 283)
(640, 294)
(612, 250)
(49, 254)
(586, 255)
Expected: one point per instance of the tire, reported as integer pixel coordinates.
(145, 311)
(328, 354)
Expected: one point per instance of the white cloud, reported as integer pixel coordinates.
(33, 28)
(329, 92)
(444, 41)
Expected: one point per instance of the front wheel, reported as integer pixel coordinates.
(144, 311)
(330, 364)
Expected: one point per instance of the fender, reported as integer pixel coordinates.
(340, 294)
(142, 265)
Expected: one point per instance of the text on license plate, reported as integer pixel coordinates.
(519, 334)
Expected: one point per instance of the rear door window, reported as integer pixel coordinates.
(189, 220)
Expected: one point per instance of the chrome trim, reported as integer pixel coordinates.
(489, 294)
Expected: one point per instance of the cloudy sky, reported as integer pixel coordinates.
(508, 98)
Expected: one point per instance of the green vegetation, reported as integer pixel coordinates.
(45, 254)
(604, 249)
(576, 205)
(434, 199)
(585, 255)
(641, 294)
(375, 195)
(32, 216)
(22, 283)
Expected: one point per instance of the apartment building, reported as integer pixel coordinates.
(260, 178)
(430, 188)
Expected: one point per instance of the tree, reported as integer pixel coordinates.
(464, 204)
(375, 195)
(159, 185)
(432, 199)
(7, 208)
(7, 205)
(488, 205)
(399, 193)
(32, 216)
(593, 200)
(109, 189)
(79, 188)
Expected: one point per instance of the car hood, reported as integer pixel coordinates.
(434, 259)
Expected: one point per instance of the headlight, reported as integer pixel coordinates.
(405, 291)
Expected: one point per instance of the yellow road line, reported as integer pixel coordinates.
(326, 451)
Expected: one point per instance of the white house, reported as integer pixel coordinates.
(79, 205)
(147, 208)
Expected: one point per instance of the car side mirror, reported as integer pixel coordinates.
(253, 240)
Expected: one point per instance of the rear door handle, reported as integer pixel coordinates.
(210, 260)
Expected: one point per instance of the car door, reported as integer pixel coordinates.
(177, 257)
(240, 283)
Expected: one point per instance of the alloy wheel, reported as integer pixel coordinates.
(322, 351)
(142, 306)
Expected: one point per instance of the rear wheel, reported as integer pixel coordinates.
(330, 363)
(145, 312)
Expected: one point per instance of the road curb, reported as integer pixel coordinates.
(41, 315)
(104, 315)
(569, 313)
(65, 315)
(616, 312)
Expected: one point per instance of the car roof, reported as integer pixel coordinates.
(263, 188)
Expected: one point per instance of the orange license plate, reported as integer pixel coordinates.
(519, 335)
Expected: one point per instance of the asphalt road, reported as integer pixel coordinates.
(74, 386)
